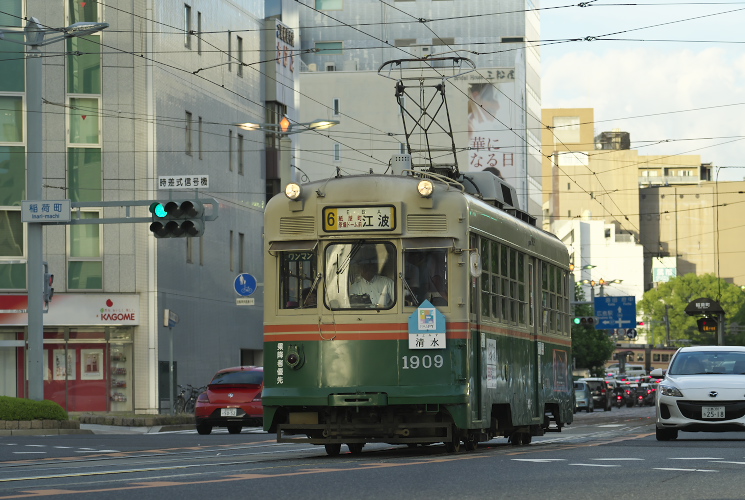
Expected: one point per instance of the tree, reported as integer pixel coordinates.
(591, 348)
(676, 294)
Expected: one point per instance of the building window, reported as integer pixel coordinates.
(199, 33)
(230, 242)
(241, 249)
(12, 61)
(84, 174)
(240, 154)
(330, 66)
(199, 137)
(188, 129)
(84, 69)
(230, 150)
(239, 49)
(187, 26)
(329, 4)
(404, 42)
(328, 48)
(12, 246)
(337, 152)
(230, 50)
(11, 119)
(448, 41)
(82, 11)
(84, 265)
(336, 107)
(566, 129)
(84, 122)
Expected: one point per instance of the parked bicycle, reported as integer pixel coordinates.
(179, 405)
(187, 398)
(192, 401)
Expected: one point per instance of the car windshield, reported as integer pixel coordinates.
(243, 377)
(708, 362)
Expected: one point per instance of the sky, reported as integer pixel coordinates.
(671, 73)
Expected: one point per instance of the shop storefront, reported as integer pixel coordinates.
(88, 350)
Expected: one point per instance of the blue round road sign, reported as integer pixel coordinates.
(245, 284)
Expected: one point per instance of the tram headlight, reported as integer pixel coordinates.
(292, 191)
(425, 188)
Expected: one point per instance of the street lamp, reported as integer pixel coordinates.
(592, 288)
(603, 282)
(282, 129)
(35, 35)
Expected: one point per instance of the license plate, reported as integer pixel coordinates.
(231, 412)
(712, 412)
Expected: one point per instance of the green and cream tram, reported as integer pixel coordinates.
(412, 309)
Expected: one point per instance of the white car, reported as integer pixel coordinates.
(703, 391)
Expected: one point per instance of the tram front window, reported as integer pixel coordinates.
(426, 277)
(360, 275)
(298, 277)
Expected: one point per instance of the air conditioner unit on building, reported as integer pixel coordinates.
(312, 67)
(419, 51)
(350, 65)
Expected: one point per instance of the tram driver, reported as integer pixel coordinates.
(370, 283)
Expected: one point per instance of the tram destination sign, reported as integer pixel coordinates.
(372, 218)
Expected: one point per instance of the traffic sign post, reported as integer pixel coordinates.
(245, 284)
(615, 312)
(170, 319)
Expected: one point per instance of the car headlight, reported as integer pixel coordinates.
(670, 390)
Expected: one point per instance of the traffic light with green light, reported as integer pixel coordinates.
(586, 321)
(177, 219)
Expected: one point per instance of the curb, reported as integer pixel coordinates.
(42, 432)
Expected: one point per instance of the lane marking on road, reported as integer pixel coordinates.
(610, 425)
(695, 458)
(597, 465)
(620, 458)
(29, 452)
(97, 451)
(541, 460)
(37, 445)
(64, 447)
(727, 462)
(684, 470)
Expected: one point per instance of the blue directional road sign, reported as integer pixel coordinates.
(615, 312)
(245, 284)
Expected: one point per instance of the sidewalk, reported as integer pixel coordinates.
(98, 424)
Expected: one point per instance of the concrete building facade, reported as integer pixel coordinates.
(671, 206)
(494, 110)
(158, 93)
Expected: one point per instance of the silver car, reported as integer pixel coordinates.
(703, 391)
(583, 397)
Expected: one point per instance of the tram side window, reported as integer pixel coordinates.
(360, 275)
(297, 276)
(426, 274)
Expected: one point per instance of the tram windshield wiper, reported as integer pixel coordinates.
(414, 299)
(340, 268)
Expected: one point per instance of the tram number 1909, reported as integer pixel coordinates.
(426, 361)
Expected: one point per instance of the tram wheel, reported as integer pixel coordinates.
(453, 446)
(355, 448)
(333, 449)
(471, 443)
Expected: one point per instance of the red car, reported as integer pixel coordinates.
(232, 400)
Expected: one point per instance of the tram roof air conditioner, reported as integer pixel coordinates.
(399, 163)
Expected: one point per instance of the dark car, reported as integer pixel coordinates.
(601, 393)
(232, 400)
